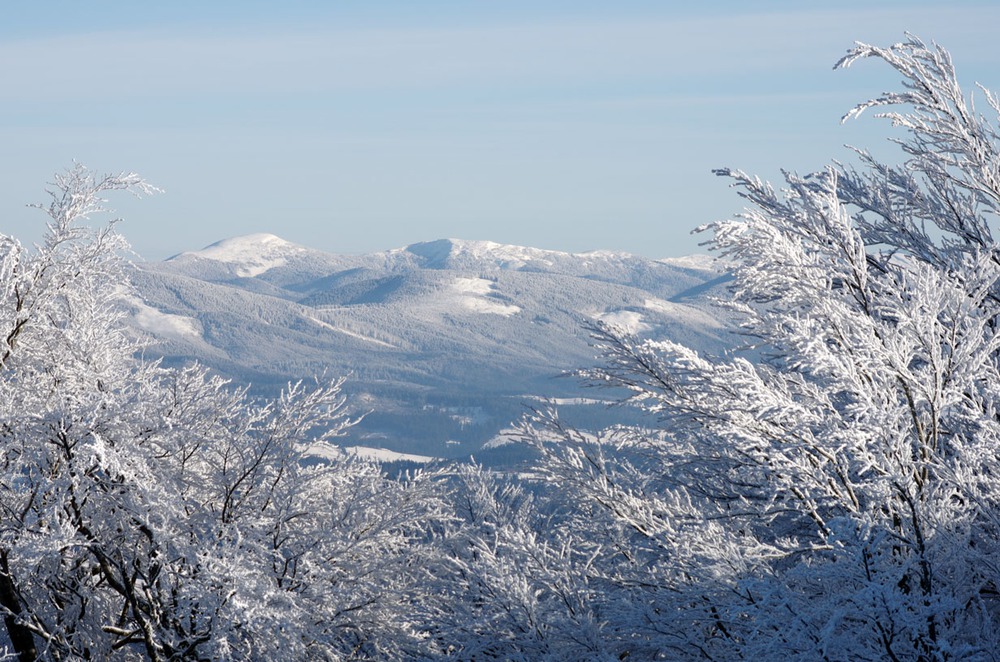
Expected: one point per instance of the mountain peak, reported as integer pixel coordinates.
(250, 255)
(434, 253)
(247, 242)
(505, 318)
(452, 253)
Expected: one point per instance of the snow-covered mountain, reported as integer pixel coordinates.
(446, 342)
(248, 256)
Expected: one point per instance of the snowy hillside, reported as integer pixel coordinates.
(443, 341)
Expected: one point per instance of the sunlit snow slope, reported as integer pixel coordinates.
(446, 342)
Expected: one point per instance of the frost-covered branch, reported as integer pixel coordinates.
(830, 492)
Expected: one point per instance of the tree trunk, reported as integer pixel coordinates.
(20, 636)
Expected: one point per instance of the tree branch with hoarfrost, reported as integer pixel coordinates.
(155, 513)
(836, 497)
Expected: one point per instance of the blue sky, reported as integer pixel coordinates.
(363, 126)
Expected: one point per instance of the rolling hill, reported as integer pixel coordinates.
(444, 342)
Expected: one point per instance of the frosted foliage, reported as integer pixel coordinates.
(828, 492)
(148, 513)
(837, 496)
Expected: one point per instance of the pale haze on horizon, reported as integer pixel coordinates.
(358, 127)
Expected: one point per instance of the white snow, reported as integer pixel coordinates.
(332, 452)
(488, 307)
(698, 261)
(689, 315)
(352, 334)
(472, 285)
(627, 320)
(659, 312)
(661, 306)
(508, 436)
(504, 437)
(509, 254)
(565, 402)
(164, 325)
(506, 255)
(512, 257)
(472, 295)
(251, 254)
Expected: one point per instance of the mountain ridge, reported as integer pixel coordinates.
(442, 339)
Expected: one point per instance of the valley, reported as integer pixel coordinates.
(444, 343)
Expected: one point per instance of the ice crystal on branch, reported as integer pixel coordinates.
(836, 497)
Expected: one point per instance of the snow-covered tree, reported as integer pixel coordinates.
(834, 492)
(519, 577)
(153, 513)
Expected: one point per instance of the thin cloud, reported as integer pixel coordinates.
(316, 61)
